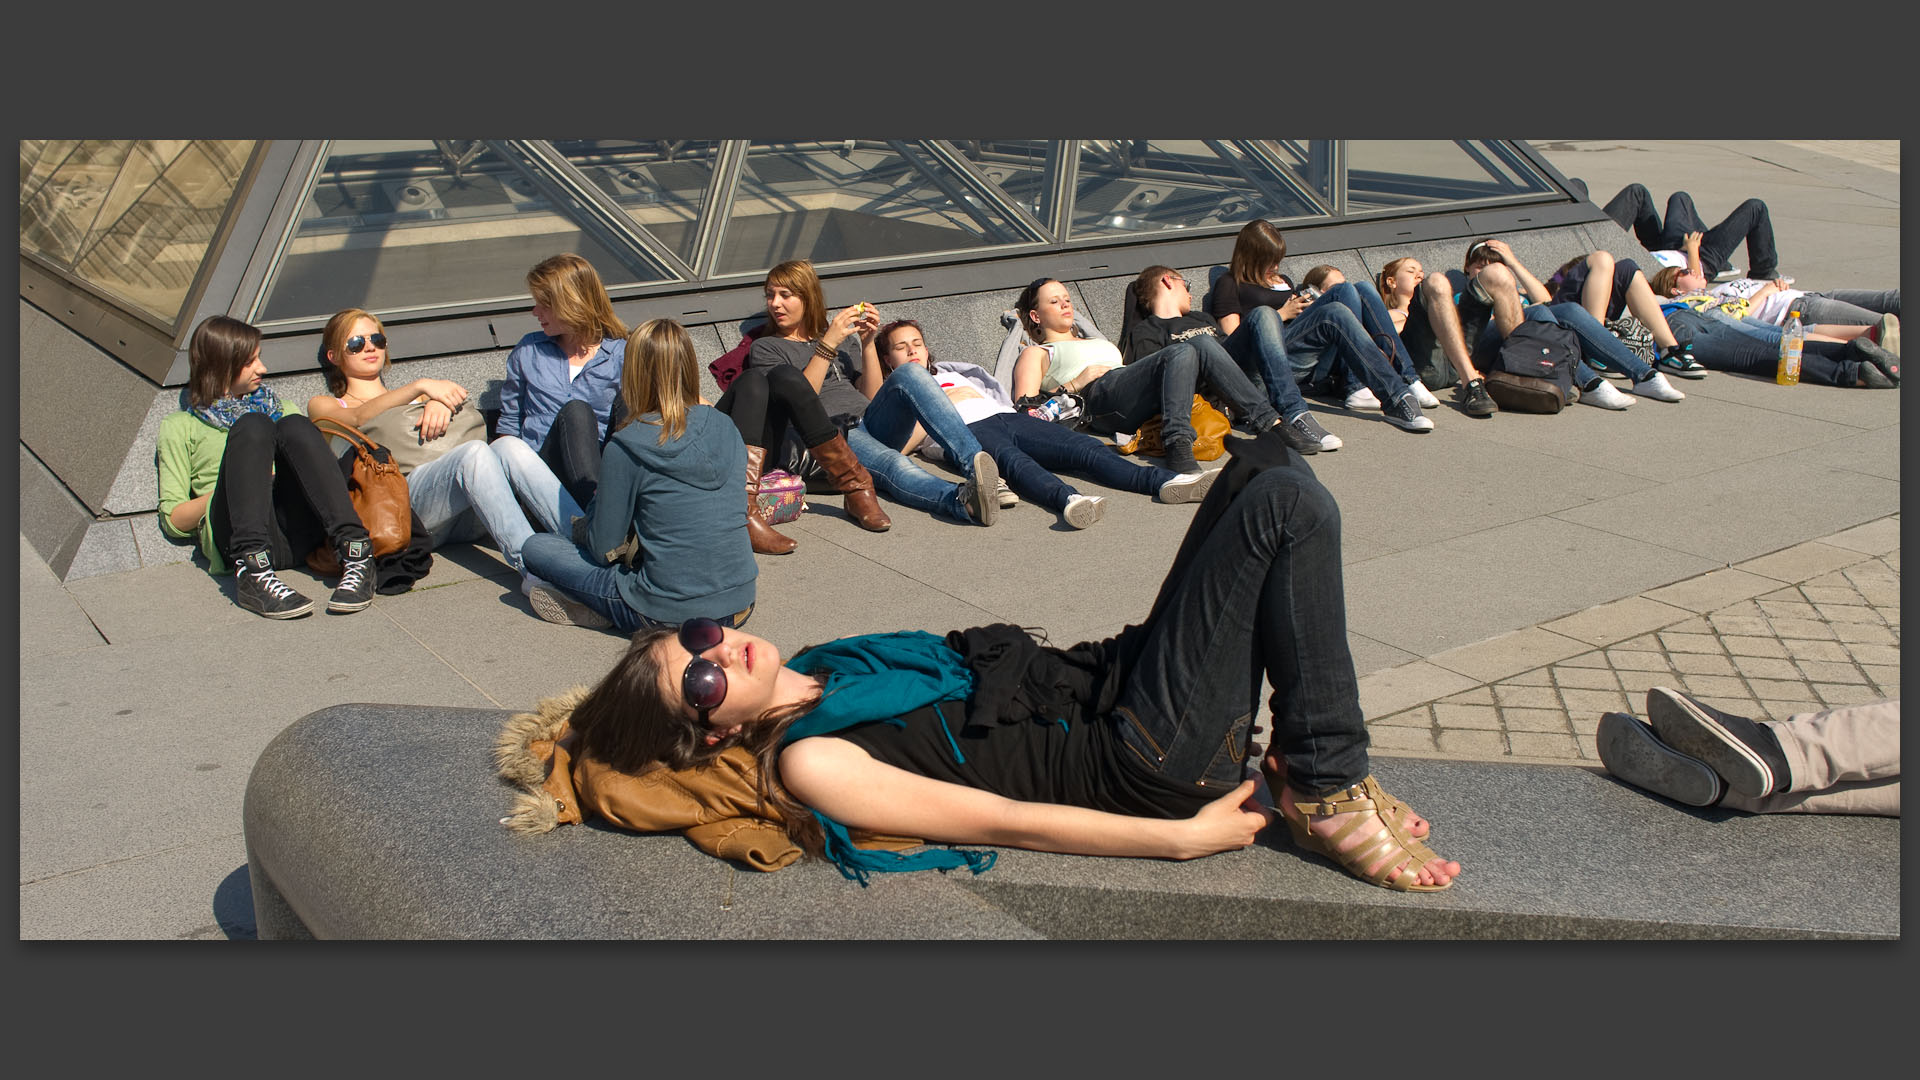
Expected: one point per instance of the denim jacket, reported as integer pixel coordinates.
(537, 386)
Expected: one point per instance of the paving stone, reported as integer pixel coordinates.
(1777, 610)
(1800, 562)
(1803, 649)
(1643, 643)
(1824, 671)
(1595, 702)
(1535, 744)
(1843, 593)
(1396, 688)
(1534, 720)
(1786, 710)
(1472, 743)
(1712, 591)
(1589, 746)
(1714, 685)
(1479, 695)
(1746, 625)
(1635, 684)
(1789, 595)
(1585, 660)
(1690, 627)
(1873, 538)
(1400, 738)
(1870, 654)
(1779, 688)
(1865, 634)
(1420, 718)
(1499, 657)
(1536, 677)
(1585, 725)
(1885, 679)
(1702, 663)
(1766, 667)
(1623, 659)
(1484, 717)
(1807, 628)
(1845, 693)
(1848, 613)
(1622, 619)
(1526, 697)
(1747, 645)
(1690, 643)
(1586, 678)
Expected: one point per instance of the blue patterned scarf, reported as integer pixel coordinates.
(224, 413)
(880, 677)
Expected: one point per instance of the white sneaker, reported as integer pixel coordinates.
(1424, 396)
(1605, 396)
(1656, 387)
(556, 606)
(1363, 400)
(1188, 487)
(1084, 510)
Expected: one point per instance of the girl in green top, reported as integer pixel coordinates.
(252, 478)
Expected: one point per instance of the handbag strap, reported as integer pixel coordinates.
(361, 444)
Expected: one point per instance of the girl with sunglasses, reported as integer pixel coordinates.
(462, 487)
(1136, 745)
(251, 478)
(563, 380)
(821, 376)
(664, 540)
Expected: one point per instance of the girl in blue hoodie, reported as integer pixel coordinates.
(664, 539)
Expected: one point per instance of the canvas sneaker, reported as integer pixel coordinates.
(980, 492)
(1657, 387)
(1604, 395)
(551, 603)
(355, 591)
(1424, 396)
(1363, 400)
(258, 589)
(1405, 415)
(1084, 510)
(1188, 487)
(1307, 426)
(1008, 500)
(1474, 399)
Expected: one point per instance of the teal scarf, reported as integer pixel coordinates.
(879, 677)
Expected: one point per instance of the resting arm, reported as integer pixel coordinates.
(844, 782)
(326, 406)
(1028, 371)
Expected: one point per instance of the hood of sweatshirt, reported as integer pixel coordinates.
(699, 458)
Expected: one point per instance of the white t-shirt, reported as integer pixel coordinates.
(1067, 359)
(969, 396)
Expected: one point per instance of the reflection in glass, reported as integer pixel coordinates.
(392, 225)
(1388, 174)
(134, 217)
(1130, 186)
(661, 183)
(1017, 166)
(837, 200)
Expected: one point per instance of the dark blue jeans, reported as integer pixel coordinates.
(1330, 341)
(1026, 449)
(572, 449)
(1740, 347)
(1259, 346)
(1255, 595)
(1749, 223)
(1163, 384)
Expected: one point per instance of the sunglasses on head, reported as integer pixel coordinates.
(360, 343)
(703, 684)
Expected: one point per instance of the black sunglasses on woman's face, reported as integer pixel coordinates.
(358, 343)
(703, 684)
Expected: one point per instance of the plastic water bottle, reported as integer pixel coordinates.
(1048, 410)
(1793, 338)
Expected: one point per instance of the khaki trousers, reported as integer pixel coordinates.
(1842, 761)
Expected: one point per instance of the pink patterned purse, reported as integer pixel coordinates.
(782, 497)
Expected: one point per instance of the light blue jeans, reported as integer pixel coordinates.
(464, 494)
(559, 562)
(910, 395)
(538, 489)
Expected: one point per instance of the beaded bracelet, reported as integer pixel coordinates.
(824, 351)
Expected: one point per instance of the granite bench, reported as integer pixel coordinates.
(381, 821)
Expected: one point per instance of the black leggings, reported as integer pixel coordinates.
(573, 445)
(763, 401)
(280, 489)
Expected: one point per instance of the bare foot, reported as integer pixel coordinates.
(1436, 871)
(1275, 768)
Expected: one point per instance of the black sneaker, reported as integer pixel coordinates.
(355, 590)
(1879, 358)
(1631, 751)
(1678, 360)
(1404, 413)
(258, 589)
(1180, 458)
(1743, 753)
(1306, 425)
(1473, 398)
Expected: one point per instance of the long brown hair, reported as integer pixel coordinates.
(625, 722)
(1029, 301)
(659, 376)
(797, 277)
(1257, 252)
(334, 345)
(220, 347)
(568, 285)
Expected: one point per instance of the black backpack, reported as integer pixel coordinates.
(1533, 372)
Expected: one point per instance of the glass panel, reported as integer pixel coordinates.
(1307, 162)
(1387, 174)
(38, 159)
(661, 183)
(398, 224)
(836, 200)
(56, 216)
(1018, 166)
(153, 232)
(1129, 186)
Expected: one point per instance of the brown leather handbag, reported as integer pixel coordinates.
(379, 495)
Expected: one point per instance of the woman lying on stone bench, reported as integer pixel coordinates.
(1136, 745)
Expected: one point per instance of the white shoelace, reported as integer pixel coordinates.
(351, 572)
(271, 582)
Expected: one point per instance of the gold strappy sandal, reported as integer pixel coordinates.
(1390, 847)
(1274, 769)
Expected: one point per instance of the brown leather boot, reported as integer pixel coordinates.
(853, 481)
(765, 540)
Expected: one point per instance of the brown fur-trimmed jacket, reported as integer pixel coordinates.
(715, 805)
